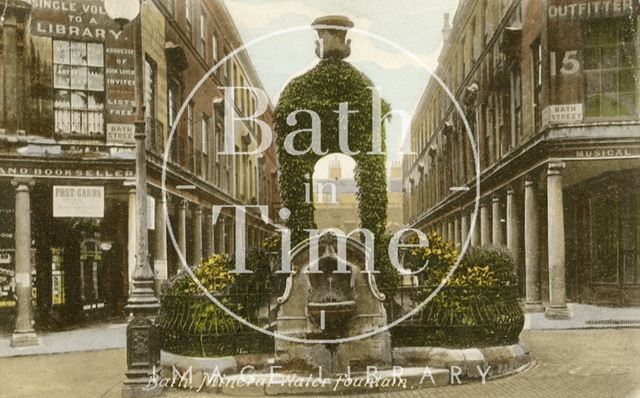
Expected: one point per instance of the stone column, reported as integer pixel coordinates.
(450, 231)
(485, 226)
(211, 243)
(464, 227)
(182, 229)
(132, 240)
(23, 334)
(197, 236)
(496, 222)
(513, 225)
(557, 308)
(456, 230)
(533, 302)
(222, 235)
(160, 249)
(475, 233)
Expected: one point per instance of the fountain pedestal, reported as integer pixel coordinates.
(326, 305)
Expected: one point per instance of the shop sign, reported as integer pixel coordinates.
(120, 133)
(78, 201)
(62, 172)
(559, 114)
(71, 19)
(590, 9)
(608, 152)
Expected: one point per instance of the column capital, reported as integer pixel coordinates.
(555, 167)
(528, 181)
(198, 209)
(183, 203)
(511, 190)
(22, 183)
(495, 198)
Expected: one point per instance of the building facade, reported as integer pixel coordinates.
(69, 86)
(336, 203)
(550, 92)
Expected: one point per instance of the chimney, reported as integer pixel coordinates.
(446, 28)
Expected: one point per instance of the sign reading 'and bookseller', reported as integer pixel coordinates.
(78, 201)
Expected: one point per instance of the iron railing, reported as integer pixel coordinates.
(456, 317)
(194, 325)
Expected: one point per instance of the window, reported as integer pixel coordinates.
(202, 43)
(214, 48)
(610, 61)
(190, 127)
(173, 102)
(204, 141)
(516, 79)
(504, 142)
(187, 10)
(536, 51)
(78, 70)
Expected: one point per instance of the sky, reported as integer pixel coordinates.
(413, 25)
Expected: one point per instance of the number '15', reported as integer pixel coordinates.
(570, 63)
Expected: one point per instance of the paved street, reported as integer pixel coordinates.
(573, 363)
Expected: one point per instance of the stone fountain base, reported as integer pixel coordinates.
(413, 368)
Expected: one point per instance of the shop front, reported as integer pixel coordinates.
(604, 255)
(79, 243)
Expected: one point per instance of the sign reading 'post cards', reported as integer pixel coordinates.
(78, 201)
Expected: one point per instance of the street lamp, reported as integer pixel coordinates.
(122, 11)
(143, 354)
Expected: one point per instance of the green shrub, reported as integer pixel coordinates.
(191, 324)
(478, 306)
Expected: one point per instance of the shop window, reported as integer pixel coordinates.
(57, 276)
(78, 70)
(609, 69)
(7, 280)
(92, 289)
(605, 238)
(632, 249)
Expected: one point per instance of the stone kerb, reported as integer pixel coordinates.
(500, 360)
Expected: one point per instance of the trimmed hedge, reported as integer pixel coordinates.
(477, 307)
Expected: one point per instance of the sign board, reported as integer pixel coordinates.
(78, 201)
(560, 114)
(120, 133)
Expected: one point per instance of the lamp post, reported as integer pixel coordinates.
(143, 354)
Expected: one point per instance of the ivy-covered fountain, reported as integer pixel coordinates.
(319, 313)
(321, 303)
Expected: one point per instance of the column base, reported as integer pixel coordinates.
(24, 339)
(558, 313)
(533, 307)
